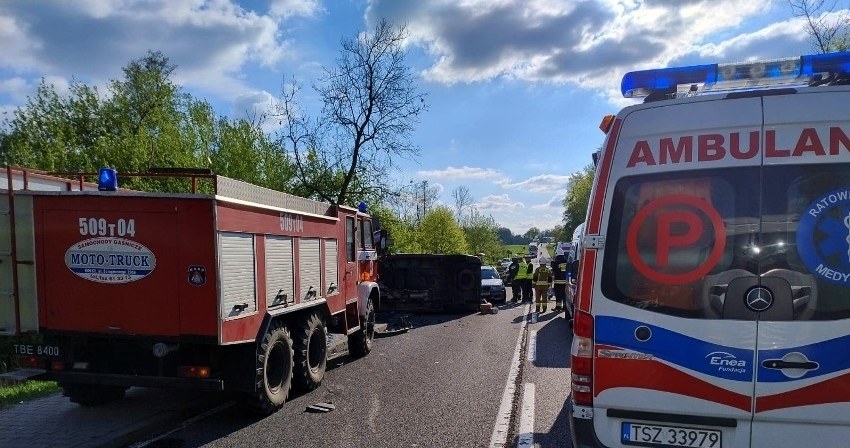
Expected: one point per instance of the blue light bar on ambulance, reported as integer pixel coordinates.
(694, 79)
(107, 179)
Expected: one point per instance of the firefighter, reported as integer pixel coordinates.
(542, 278)
(559, 273)
(516, 288)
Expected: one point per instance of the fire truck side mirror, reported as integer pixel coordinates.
(384, 242)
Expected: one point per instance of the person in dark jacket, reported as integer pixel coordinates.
(516, 287)
(559, 273)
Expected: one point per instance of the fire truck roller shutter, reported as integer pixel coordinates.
(331, 267)
(280, 279)
(309, 269)
(237, 274)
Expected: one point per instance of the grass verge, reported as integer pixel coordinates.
(15, 393)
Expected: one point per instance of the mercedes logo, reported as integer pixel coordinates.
(758, 299)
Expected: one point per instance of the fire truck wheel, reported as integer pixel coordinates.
(360, 343)
(91, 394)
(311, 352)
(274, 370)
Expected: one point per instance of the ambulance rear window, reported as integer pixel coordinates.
(680, 238)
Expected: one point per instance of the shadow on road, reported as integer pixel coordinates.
(556, 334)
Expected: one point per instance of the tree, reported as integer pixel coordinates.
(827, 28)
(531, 233)
(370, 107)
(403, 232)
(145, 122)
(577, 198)
(482, 236)
(439, 233)
(463, 202)
(423, 197)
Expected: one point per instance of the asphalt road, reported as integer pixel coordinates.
(440, 384)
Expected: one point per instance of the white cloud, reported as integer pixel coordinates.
(210, 41)
(556, 202)
(17, 88)
(498, 202)
(543, 183)
(589, 43)
(290, 8)
(464, 172)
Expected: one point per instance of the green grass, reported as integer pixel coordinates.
(517, 248)
(28, 390)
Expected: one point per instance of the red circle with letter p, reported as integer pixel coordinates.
(681, 223)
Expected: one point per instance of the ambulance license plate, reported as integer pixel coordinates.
(661, 435)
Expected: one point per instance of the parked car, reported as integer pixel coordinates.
(492, 286)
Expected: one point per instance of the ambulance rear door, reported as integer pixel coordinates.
(802, 393)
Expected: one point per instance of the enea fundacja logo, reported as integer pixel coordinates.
(823, 236)
(110, 260)
(675, 227)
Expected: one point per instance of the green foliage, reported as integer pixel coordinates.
(403, 233)
(144, 122)
(482, 236)
(531, 233)
(439, 233)
(27, 390)
(577, 198)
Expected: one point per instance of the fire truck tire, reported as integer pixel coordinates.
(274, 370)
(311, 352)
(360, 343)
(91, 394)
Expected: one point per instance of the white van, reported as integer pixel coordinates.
(713, 304)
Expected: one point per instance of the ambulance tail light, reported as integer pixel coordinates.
(581, 354)
(713, 78)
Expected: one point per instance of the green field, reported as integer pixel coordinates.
(517, 248)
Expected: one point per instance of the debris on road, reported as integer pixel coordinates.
(320, 408)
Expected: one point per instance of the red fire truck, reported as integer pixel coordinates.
(233, 289)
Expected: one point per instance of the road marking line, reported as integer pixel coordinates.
(526, 418)
(499, 438)
(532, 345)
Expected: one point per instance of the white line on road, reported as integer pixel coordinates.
(532, 345)
(526, 418)
(499, 438)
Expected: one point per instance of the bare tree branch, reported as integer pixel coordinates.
(826, 24)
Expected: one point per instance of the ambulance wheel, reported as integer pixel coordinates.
(311, 352)
(92, 394)
(274, 370)
(360, 343)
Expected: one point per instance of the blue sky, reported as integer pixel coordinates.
(516, 88)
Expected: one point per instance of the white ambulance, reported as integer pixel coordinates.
(713, 305)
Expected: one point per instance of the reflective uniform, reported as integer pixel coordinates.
(524, 274)
(542, 278)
